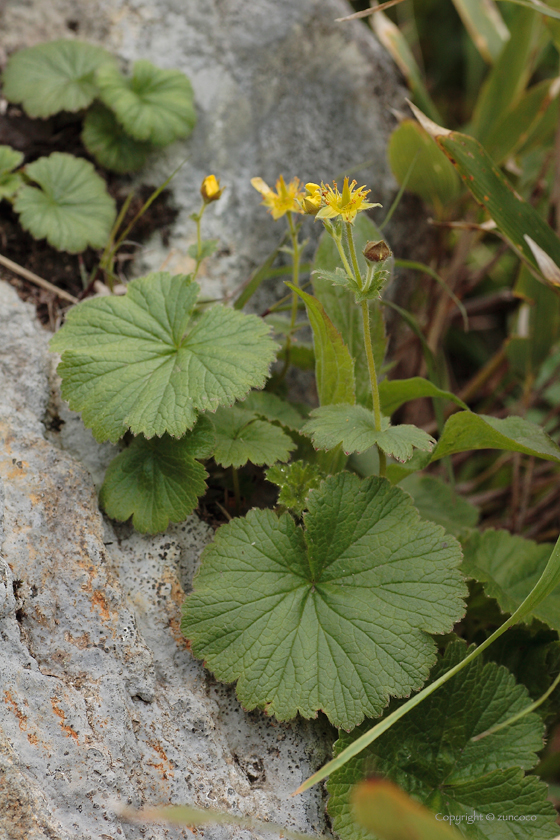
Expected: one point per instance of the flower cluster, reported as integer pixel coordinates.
(286, 199)
(326, 202)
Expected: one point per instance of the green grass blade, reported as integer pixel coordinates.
(485, 25)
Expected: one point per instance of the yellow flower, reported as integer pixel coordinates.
(210, 189)
(348, 203)
(285, 199)
(312, 201)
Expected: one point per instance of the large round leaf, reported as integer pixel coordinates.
(138, 362)
(53, 77)
(333, 616)
(104, 137)
(153, 104)
(71, 208)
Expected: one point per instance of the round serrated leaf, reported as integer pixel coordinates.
(153, 104)
(335, 616)
(71, 208)
(157, 480)
(241, 437)
(433, 177)
(430, 754)
(104, 137)
(137, 362)
(53, 77)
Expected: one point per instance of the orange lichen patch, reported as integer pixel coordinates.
(99, 600)
(164, 766)
(68, 731)
(173, 604)
(22, 719)
(78, 641)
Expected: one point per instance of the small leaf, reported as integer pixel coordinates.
(334, 367)
(71, 208)
(154, 105)
(295, 481)
(273, 408)
(240, 437)
(509, 566)
(10, 182)
(333, 616)
(465, 431)
(137, 362)
(433, 177)
(158, 480)
(207, 248)
(106, 140)
(437, 502)
(384, 809)
(395, 392)
(56, 76)
(429, 753)
(354, 427)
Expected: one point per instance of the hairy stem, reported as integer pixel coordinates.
(295, 280)
(353, 257)
(373, 381)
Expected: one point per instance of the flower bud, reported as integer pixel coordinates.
(210, 189)
(377, 252)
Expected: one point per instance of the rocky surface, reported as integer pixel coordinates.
(280, 89)
(100, 699)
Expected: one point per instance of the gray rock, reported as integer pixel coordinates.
(100, 698)
(280, 89)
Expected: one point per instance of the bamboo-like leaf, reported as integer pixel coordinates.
(515, 218)
(395, 43)
(509, 76)
(485, 25)
(521, 120)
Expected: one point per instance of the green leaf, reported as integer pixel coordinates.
(295, 481)
(485, 25)
(397, 46)
(341, 309)
(509, 76)
(136, 362)
(273, 408)
(158, 480)
(10, 182)
(521, 120)
(153, 104)
(465, 431)
(385, 810)
(70, 208)
(514, 217)
(207, 248)
(433, 177)
(509, 566)
(334, 366)
(106, 140)
(395, 392)
(431, 756)
(353, 426)
(333, 616)
(240, 437)
(437, 502)
(56, 76)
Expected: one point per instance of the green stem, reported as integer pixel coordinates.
(353, 257)
(199, 257)
(342, 254)
(373, 382)
(295, 281)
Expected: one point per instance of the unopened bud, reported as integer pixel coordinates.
(377, 251)
(210, 189)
